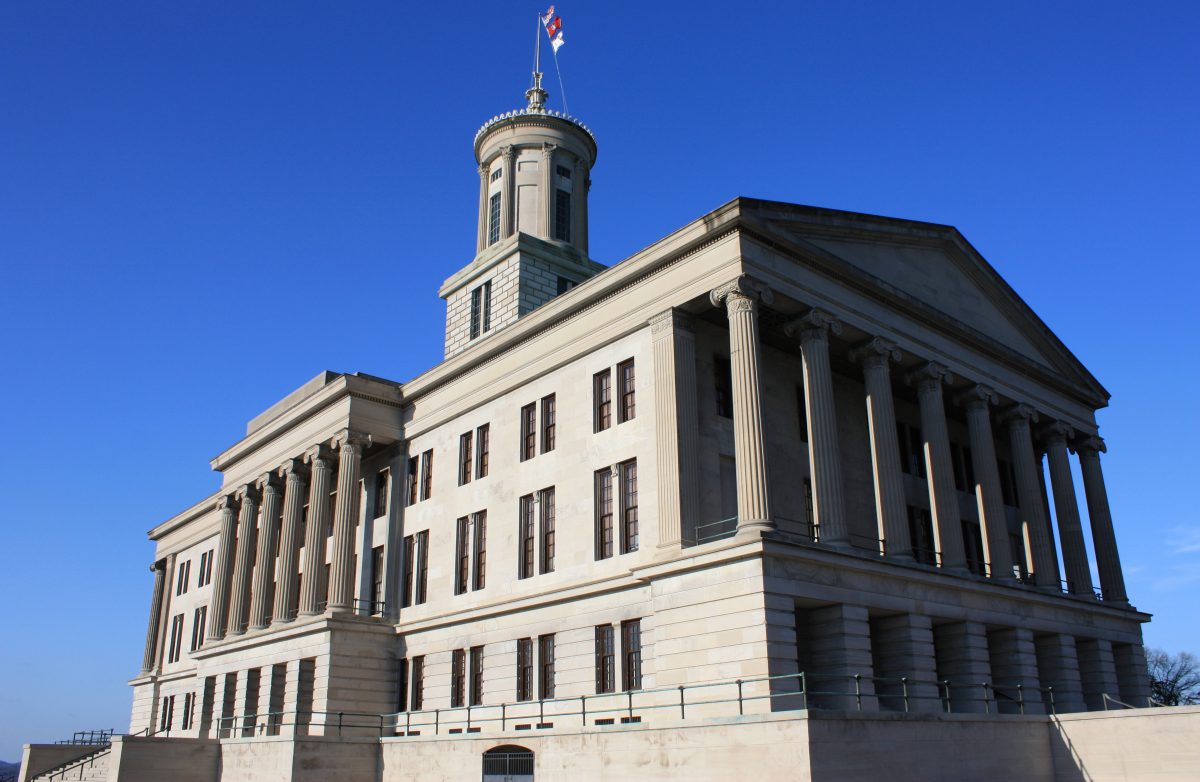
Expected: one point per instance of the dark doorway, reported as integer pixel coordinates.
(508, 763)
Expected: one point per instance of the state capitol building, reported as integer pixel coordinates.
(785, 462)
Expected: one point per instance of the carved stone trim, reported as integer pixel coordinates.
(931, 372)
(976, 396)
(1059, 432)
(742, 292)
(876, 349)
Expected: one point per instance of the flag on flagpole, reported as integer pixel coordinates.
(554, 29)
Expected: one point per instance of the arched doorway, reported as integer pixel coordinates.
(508, 763)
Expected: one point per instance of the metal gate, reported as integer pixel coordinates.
(508, 764)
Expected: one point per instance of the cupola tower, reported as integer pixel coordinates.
(532, 243)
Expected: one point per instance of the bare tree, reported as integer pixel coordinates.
(1174, 678)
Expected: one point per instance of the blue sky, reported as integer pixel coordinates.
(202, 205)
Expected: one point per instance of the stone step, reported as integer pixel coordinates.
(93, 769)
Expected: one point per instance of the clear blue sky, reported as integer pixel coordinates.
(202, 205)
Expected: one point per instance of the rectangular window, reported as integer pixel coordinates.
(427, 474)
(808, 507)
(167, 718)
(562, 215)
(602, 401)
(462, 556)
(481, 309)
(175, 647)
(973, 543)
(546, 523)
(417, 702)
(920, 531)
(189, 704)
(185, 571)
(604, 513)
(1008, 482)
(631, 655)
(525, 669)
(476, 676)
(625, 390)
(563, 172)
(204, 574)
(546, 666)
(548, 415)
(723, 381)
(402, 684)
(802, 413)
(964, 468)
(563, 285)
(496, 174)
(377, 572)
(606, 662)
(458, 678)
(494, 219)
(525, 534)
(407, 571)
(479, 552)
(528, 431)
(629, 506)
(382, 484)
(412, 480)
(483, 436)
(464, 459)
(199, 619)
(912, 454)
(422, 565)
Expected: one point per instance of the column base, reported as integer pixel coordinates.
(754, 528)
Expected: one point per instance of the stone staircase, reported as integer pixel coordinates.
(92, 767)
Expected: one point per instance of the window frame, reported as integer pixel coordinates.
(628, 489)
(604, 505)
(602, 400)
(465, 458)
(483, 438)
(626, 391)
(524, 669)
(546, 666)
(546, 519)
(528, 445)
(606, 681)
(631, 655)
(525, 537)
(549, 422)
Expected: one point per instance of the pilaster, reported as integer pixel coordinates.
(1015, 671)
(1097, 671)
(1132, 675)
(508, 201)
(962, 660)
(837, 646)
(902, 647)
(1058, 668)
(677, 429)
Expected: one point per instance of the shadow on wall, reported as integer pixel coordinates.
(1069, 765)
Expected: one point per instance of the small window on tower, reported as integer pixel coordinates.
(481, 309)
(563, 171)
(562, 216)
(496, 174)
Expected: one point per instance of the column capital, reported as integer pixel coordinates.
(977, 396)
(548, 149)
(318, 454)
(224, 502)
(876, 349)
(247, 492)
(351, 439)
(670, 321)
(815, 324)
(159, 566)
(268, 483)
(741, 294)
(1058, 433)
(483, 170)
(1020, 412)
(508, 152)
(292, 469)
(1090, 445)
(929, 375)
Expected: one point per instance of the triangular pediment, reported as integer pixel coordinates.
(928, 267)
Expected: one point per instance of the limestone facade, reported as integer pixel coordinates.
(779, 441)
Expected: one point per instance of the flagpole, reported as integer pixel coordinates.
(537, 45)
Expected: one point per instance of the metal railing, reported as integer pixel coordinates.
(369, 607)
(716, 530)
(89, 737)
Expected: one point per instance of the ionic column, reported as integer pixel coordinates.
(289, 541)
(943, 499)
(244, 566)
(159, 569)
(1066, 507)
(320, 466)
(677, 427)
(824, 454)
(341, 568)
(1029, 495)
(741, 298)
(219, 608)
(546, 207)
(481, 239)
(890, 508)
(508, 188)
(1104, 540)
(264, 566)
(988, 496)
(579, 186)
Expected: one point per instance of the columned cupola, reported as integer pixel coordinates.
(532, 241)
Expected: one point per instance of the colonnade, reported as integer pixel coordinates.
(275, 505)
(742, 299)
